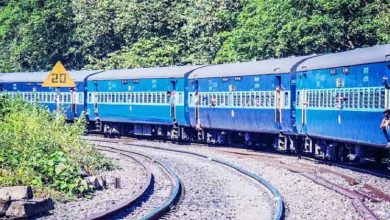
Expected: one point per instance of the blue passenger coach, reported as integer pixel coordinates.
(27, 85)
(341, 98)
(143, 101)
(250, 97)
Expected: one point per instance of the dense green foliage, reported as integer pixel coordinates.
(34, 34)
(46, 153)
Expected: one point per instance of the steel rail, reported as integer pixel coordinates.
(174, 194)
(279, 214)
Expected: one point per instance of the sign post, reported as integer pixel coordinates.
(59, 77)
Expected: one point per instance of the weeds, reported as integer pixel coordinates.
(42, 150)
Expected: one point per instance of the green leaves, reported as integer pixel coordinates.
(106, 34)
(40, 150)
(283, 28)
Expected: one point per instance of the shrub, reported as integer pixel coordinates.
(40, 149)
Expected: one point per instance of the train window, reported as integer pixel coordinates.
(372, 98)
(309, 99)
(120, 96)
(272, 101)
(109, 100)
(366, 98)
(191, 99)
(248, 99)
(164, 98)
(243, 99)
(321, 99)
(286, 100)
(128, 97)
(334, 98)
(158, 98)
(262, 99)
(377, 97)
(141, 97)
(267, 99)
(234, 99)
(227, 99)
(356, 98)
(136, 97)
(382, 97)
(180, 98)
(218, 99)
(326, 101)
(252, 99)
(342, 97)
(154, 98)
(149, 97)
(146, 97)
(208, 98)
(361, 98)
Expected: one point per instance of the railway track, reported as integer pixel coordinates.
(152, 201)
(357, 194)
(362, 195)
(195, 185)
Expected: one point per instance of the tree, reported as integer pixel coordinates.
(34, 34)
(280, 28)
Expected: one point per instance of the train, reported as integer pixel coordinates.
(329, 106)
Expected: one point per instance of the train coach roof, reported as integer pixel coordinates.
(358, 56)
(142, 73)
(282, 65)
(77, 76)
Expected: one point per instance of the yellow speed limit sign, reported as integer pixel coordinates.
(58, 77)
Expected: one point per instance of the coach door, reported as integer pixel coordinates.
(303, 100)
(172, 100)
(278, 102)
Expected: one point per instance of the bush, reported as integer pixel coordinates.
(40, 149)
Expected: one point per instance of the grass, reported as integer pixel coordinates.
(38, 148)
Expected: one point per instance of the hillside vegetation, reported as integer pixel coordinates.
(42, 151)
(86, 34)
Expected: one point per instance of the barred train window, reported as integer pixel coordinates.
(356, 99)
(154, 97)
(252, 99)
(262, 99)
(366, 97)
(376, 99)
(163, 98)
(371, 99)
(272, 99)
(267, 99)
(382, 91)
(361, 98)
(145, 97)
(158, 98)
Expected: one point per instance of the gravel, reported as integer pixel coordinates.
(133, 176)
(155, 198)
(213, 191)
(303, 198)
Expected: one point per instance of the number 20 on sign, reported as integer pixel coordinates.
(58, 77)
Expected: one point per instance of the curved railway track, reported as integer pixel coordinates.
(313, 172)
(277, 202)
(140, 203)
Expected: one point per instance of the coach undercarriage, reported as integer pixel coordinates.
(323, 149)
